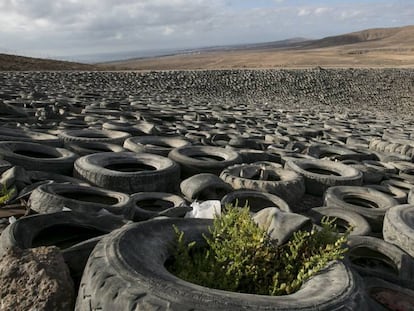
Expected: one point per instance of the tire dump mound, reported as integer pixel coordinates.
(96, 168)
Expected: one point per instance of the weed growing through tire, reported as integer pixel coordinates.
(241, 257)
(5, 194)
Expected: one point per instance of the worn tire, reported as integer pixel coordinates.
(345, 218)
(82, 148)
(256, 200)
(374, 257)
(136, 254)
(204, 186)
(129, 172)
(316, 178)
(399, 227)
(93, 135)
(370, 203)
(51, 198)
(155, 144)
(203, 159)
(153, 204)
(34, 156)
(286, 184)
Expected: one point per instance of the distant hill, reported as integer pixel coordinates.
(21, 63)
(380, 47)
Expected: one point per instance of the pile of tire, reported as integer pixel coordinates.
(104, 175)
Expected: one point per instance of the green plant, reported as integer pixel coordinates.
(6, 194)
(240, 256)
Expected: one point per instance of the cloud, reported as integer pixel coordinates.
(67, 27)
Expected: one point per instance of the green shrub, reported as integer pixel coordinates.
(240, 256)
(6, 194)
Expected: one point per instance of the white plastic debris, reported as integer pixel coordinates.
(12, 219)
(64, 209)
(207, 209)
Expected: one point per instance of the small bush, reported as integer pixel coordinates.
(241, 257)
(6, 194)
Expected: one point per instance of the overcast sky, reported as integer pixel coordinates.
(57, 28)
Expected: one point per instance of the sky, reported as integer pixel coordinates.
(69, 28)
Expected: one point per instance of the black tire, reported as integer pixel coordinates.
(51, 198)
(154, 204)
(82, 148)
(36, 176)
(399, 227)
(256, 200)
(33, 156)
(266, 177)
(203, 159)
(370, 203)
(395, 192)
(136, 254)
(319, 175)
(385, 296)
(76, 235)
(15, 134)
(4, 166)
(204, 186)
(94, 135)
(129, 172)
(155, 144)
(329, 152)
(374, 257)
(344, 219)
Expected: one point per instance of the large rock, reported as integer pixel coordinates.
(35, 279)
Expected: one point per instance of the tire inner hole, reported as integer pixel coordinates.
(356, 200)
(34, 154)
(321, 171)
(130, 167)
(372, 260)
(90, 197)
(207, 157)
(64, 236)
(154, 205)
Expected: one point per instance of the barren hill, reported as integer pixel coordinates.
(21, 63)
(381, 47)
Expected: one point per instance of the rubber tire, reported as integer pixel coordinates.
(290, 187)
(400, 262)
(61, 162)
(136, 254)
(359, 224)
(191, 166)
(82, 148)
(165, 177)
(316, 184)
(155, 144)
(178, 209)
(399, 227)
(204, 186)
(336, 196)
(50, 198)
(93, 135)
(394, 192)
(30, 136)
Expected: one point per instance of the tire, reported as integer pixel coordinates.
(136, 254)
(155, 144)
(385, 296)
(286, 184)
(4, 166)
(30, 136)
(399, 195)
(203, 159)
(204, 187)
(319, 175)
(345, 219)
(94, 135)
(374, 257)
(85, 148)
(329, 152)
(370, 203)
(154, 204)
(36, 176)
(399, 227)
(76, 235)
(52, 198)
(129, 172)
(256, 200)
(33, 156)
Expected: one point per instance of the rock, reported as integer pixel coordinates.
(35, 279)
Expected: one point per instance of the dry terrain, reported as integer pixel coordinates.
(21, 63)
(387, 47)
